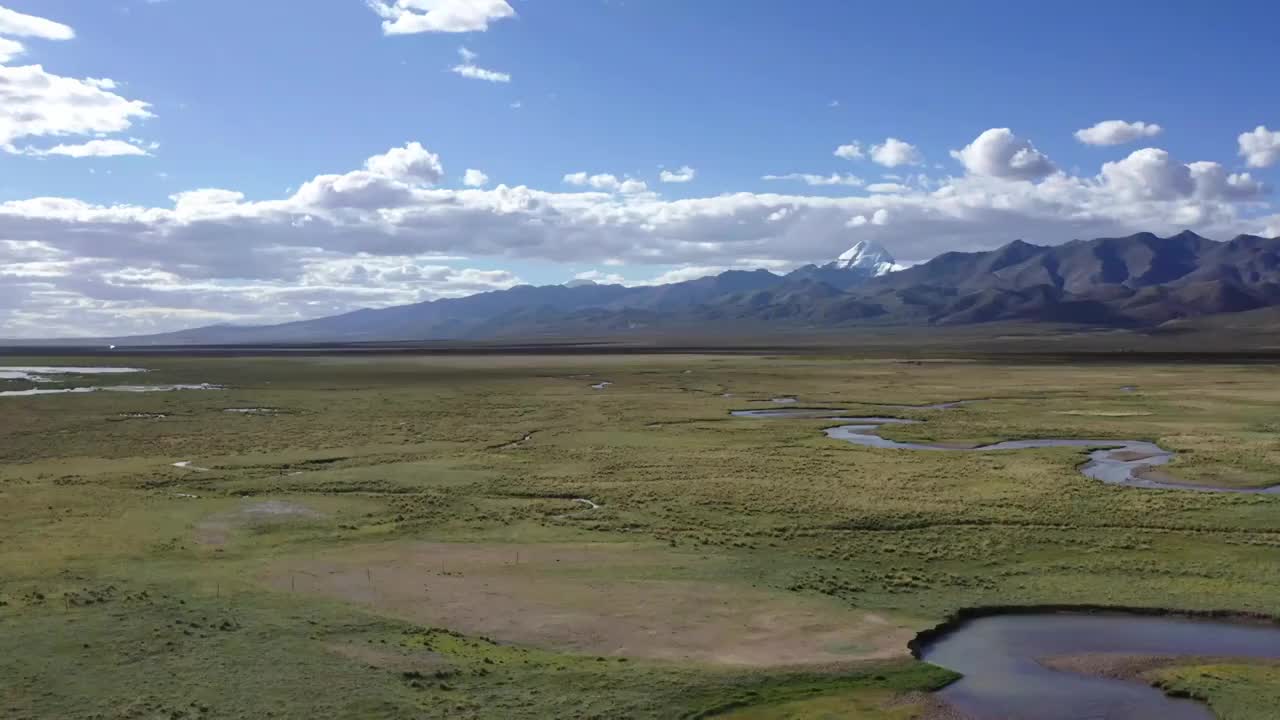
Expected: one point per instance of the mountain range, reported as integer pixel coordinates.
(1136, 281)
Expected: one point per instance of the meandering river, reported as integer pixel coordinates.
(1116, 462)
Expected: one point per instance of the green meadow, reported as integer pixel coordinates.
(491, 536)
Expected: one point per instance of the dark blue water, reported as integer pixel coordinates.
(1003, 680)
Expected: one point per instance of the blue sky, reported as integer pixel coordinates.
(285, 109)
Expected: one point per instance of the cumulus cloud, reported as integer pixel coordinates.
(1212, 181)
(387, 233)
(468, 69)
(406, 17)
(35, 103)
(474, 178)
(681, 175)
(1117, 132)
(411, 163)
(1153, 174)
(606, 182)
(1260, 148)
(894, 152)
(1148, 174)
(812, 179)
(850, 151)
(999, 153)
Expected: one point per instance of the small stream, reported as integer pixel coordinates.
(1004, 680)
(1115, 462)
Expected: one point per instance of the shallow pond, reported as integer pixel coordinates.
(39, 373)
(107, 388)
(1003, 678)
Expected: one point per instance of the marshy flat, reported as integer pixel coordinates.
(400, 518)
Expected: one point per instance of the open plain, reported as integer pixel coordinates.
(595, 535)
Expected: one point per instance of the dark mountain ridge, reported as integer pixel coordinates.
(1140, 280)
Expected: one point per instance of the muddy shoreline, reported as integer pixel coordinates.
(1131, 668)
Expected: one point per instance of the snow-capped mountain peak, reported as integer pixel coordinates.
(866, 256)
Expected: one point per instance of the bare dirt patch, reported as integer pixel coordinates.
(926, 706)
(600, 599)
(216, 530)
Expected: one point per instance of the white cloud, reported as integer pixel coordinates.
(39, 104)
(411, 163)
(894, 152)
(681, 175)
(9, 49)
(601, 278)
(20, 25)
(1148, 174)
(1273, 229)
(474, 178)
(1260, 148)
(404, 17)
(1213, 182)
(850, 151)
(606, 182)
(94, 148)
(1153, 174)
(1117, 132)
(880, 217)
(1001, 154)
(812, 179)
(887, 187)
(682, 274)
(468, 69)
(34, 103)
(472, 72)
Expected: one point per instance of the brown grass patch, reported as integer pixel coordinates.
(600, 599)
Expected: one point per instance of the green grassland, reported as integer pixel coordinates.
(130, 588)
(1233, 691)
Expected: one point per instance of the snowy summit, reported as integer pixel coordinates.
(866, 256)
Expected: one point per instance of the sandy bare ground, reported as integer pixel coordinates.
(599, 599)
